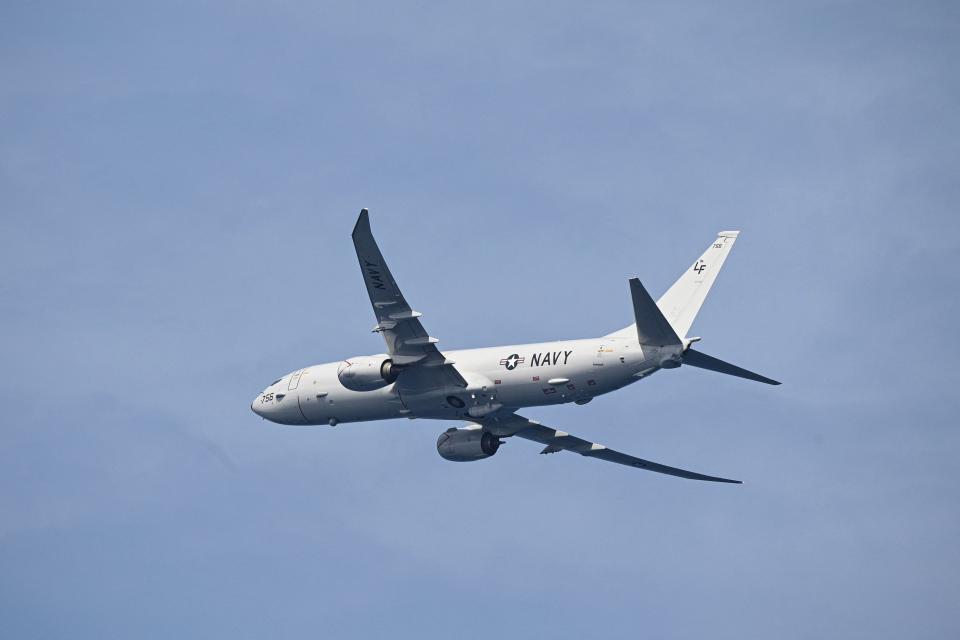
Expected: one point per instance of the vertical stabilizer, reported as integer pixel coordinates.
(683, 300)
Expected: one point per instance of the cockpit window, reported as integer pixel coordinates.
(281, 396)
(275, 382)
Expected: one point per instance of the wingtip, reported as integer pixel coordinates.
(718, 479)
(362, 219)
(703, 478)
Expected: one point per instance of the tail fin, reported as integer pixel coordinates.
(681, 303)
(683, 300)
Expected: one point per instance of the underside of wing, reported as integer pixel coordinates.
(408, 343)
(516, 425)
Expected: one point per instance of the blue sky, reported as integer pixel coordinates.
(178, 183)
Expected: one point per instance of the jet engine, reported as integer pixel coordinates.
(367, 373)
(467, 444)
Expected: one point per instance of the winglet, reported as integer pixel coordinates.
(363, 223)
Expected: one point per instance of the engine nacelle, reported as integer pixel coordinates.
(467, 444)
(366, 373)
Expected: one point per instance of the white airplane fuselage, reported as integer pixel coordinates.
(508, 377)
(487, 387)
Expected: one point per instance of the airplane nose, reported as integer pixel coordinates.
(255, 405)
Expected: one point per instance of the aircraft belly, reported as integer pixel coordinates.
(532, 383)
(351, 408)
(434, 403)
(323, 398)
(478, 398)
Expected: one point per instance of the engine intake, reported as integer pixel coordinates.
(367, 373)
(467, 444)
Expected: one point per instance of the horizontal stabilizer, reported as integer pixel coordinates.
(700, 360)
(652, 327)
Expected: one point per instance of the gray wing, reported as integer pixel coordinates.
(408, 343)
(516, 425)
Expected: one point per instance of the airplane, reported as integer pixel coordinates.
(486, 387)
